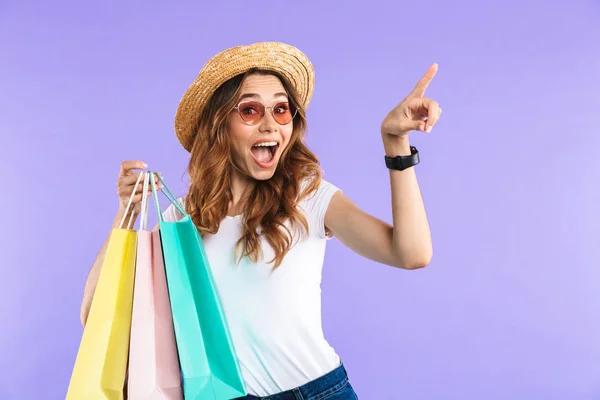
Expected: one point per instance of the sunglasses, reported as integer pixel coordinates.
(252, 112)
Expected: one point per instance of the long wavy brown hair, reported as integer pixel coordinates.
(271, 207)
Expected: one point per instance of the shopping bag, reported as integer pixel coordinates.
(209, 365)
(153, 363)
(101, 363)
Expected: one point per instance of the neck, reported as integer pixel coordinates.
(241, 185)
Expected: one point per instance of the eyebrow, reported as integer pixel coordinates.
(256, 96)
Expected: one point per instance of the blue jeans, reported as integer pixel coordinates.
(331, 386)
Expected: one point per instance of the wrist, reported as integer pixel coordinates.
(396, 145)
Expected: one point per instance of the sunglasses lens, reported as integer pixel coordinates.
(251, 111)
(284, 113)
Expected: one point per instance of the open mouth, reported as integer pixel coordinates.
(264, 152)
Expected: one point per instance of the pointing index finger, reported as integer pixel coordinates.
(424, 82)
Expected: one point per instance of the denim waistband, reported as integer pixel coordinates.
(314, 390)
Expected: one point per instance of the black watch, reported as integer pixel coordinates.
(401, 163)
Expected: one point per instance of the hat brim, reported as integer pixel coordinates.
(278, 57)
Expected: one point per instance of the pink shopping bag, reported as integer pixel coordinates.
(154, 372)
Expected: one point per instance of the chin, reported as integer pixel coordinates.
(262, 174)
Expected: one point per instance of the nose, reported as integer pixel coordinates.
(268, 123)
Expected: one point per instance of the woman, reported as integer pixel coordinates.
(257, 197)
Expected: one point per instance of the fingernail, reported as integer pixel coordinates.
(429, 128)
(144, 165)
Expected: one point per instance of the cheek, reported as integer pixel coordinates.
(239, 136)
(287, 134)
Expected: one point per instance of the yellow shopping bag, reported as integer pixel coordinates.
(101, 364)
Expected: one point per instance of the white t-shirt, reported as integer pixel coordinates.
(274, 315)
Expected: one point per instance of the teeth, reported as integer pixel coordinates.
(266, 144)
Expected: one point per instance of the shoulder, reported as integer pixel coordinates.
(322, 193)
(172, 214)
(316, 204)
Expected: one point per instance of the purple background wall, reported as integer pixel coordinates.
(508, 309)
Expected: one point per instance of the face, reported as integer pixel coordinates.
(257, 149)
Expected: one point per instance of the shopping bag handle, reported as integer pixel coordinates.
(168, 194)
(137, 183)
(144, 207)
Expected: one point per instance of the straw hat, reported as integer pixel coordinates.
(273, 56)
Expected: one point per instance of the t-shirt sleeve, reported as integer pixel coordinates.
(172, 214)
(316, 206)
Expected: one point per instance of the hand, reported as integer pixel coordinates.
(414, 113)
(126, 183)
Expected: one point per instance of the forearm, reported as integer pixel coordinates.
(411, 235)
(94, 274)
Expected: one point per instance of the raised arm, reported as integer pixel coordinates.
(407, 243)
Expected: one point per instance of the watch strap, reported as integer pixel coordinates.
(401, 163)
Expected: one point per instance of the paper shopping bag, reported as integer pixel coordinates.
(209, 364)
(101, 363)
(153, 363)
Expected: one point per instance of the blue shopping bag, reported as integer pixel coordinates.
(209, 364)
